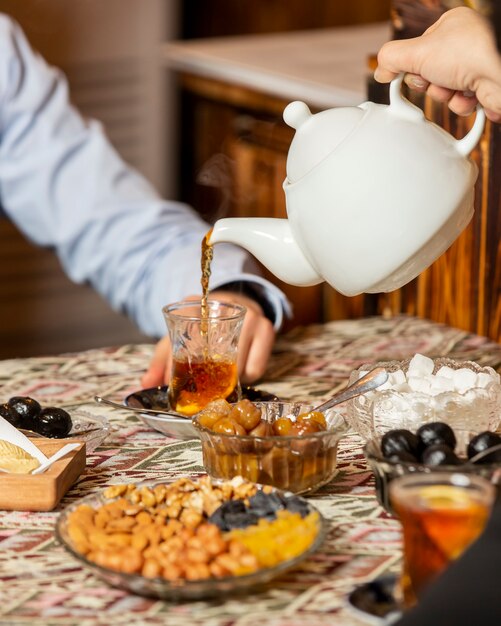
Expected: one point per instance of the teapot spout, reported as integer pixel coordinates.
(271, 241)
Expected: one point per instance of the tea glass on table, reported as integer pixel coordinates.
(204, 353)
(441, 515)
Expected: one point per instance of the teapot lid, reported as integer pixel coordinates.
(316, 135)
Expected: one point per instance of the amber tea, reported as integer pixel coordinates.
(206, 260)
(204, 353)
(441, 515)
(196, 383)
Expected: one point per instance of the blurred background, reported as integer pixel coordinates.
(111, 52)
(191, 94)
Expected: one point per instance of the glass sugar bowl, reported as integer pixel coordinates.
(463, 394)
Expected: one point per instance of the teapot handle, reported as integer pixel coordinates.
(465, 145)
(401, 106)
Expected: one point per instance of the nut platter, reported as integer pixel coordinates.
(189, 539)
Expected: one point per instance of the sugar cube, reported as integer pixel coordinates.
(464, 379)
(483, 380)
(446, 372)
(397, 378)
(441, 384)
(420, 365)
(417, 383)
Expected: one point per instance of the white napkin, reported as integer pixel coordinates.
(13, 435)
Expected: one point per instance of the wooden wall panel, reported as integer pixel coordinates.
(462, 287)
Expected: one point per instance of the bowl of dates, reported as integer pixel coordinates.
(283, 444)
(419, 390)
(434, 446)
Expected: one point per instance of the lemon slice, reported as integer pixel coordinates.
(15, 460)
(446, 496)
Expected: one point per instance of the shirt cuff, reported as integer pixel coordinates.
(271, 299)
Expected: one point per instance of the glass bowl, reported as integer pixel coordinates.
(473, 410)
(386, 470)
(88, 427)
(182, 589)
(298, 463)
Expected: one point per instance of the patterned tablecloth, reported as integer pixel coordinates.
(40, 584)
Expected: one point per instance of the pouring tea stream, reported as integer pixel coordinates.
(374, 194)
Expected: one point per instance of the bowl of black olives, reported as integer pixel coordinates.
(35, 420)
(434, 446)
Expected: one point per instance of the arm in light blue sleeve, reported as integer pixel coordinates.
(65, 187)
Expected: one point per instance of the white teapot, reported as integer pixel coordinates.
(374, 195)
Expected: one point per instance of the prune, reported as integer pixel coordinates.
(27, 410)
(296, 505)
(399, 440)
(482, 441)
(435, 433)
(236, 514)
(8, 413)
(439, 454)
(269, 503)
(231, 507)
(241, 520)
(52, 422)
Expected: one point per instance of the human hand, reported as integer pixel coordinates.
(254, 348)
(454, 61)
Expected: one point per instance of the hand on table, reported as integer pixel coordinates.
(254, 348)
(454, 61)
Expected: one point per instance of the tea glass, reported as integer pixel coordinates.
(441, 515)
(204, 353)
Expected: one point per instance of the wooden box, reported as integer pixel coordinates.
(42, 492)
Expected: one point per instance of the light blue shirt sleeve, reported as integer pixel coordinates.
(65, 187)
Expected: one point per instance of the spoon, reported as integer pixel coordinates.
(371, 380)
(375, 378)
(55, 457)
(117, 405)
(485, 453)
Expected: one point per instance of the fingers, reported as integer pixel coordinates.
(463, 104)
(255, 346)
(440, 94)
(494, 116)
(395, 57)
(416, 82)
(158, 371)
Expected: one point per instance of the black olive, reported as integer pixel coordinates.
(399, 440)
(8, 413)
(482, 441)
(27, 410)
(439, 454)
(435, 433)
(53, 422)
(403, 455)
